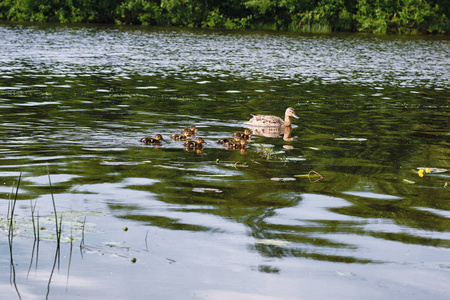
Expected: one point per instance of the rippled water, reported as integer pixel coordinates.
(221, 224)
(348, 59)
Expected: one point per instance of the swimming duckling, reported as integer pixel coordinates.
(246, 135)
(149, 140)
(180, 136)
(191, 130)
(224, 141)
(273, 121)
(240, 144)
(194, 145)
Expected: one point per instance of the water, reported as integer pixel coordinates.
(165, 223)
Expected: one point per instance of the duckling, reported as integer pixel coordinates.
(191, 130)
(224, 141)
(273, 121)
(246, 135)
(227, 142)
(180, 136)
(237, 144)
(149, 140)
(194, 145)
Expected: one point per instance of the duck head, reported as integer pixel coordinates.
(290, 112)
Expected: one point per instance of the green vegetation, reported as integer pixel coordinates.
(379, 16)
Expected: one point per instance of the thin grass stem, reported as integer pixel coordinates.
(54, 207)
(33, 208)
(13, 207)
(82, 233)
(38, 239)
(146, 236)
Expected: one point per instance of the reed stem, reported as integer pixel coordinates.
(58, 232)
(13, 207)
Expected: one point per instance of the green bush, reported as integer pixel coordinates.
(379, 16)
(401, 16)
(140, 12)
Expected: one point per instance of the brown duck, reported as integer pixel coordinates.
(273, 121)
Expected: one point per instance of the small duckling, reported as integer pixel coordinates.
(180, 136)
(191, 130)
(224, 141)
(246, 135)
(237, 144)
(194, 145)
(149, 140)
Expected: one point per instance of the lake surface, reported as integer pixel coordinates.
(351, 203)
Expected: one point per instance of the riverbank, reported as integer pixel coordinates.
(400, 17)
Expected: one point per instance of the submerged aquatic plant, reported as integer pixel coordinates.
(265, 151)
(38, 225)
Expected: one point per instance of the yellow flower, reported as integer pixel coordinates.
(420, 172)
(427, 170)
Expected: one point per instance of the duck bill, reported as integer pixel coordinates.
(295, 116)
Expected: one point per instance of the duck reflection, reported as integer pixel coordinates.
(273, 132)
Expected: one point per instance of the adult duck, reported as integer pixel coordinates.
(273, 121)
(155, 141)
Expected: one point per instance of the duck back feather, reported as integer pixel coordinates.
(273, 121)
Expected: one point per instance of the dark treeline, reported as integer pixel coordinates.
(380, 16)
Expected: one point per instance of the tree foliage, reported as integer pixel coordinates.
(380, 16)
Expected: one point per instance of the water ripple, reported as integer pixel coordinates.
(120, 53)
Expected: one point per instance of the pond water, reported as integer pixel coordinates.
(353, 201)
